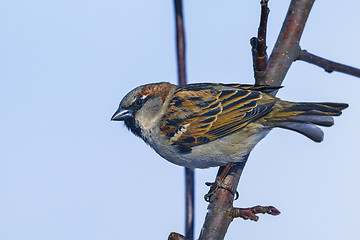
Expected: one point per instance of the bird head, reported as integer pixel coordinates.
(142, 107)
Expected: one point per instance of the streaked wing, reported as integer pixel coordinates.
(200, 113)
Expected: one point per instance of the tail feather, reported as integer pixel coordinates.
(303, 118)
(332, 109)
(320, 120)
(309, 130)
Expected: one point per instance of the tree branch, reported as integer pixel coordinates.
(176, 236)
(189, 202)
(270, 71)
(287, 48)
(327, 65)
(219, 215)
(180, 42)
(250, 213)
(189, 173)
(259, 47)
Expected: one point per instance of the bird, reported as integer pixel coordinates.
(204, 125)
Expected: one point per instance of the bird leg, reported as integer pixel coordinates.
(219, 183)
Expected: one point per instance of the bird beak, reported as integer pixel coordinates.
(121, 115)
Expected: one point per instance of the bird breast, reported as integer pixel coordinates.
(231, 148)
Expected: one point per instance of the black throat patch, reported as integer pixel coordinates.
(134, 127)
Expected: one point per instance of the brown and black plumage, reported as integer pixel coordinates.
(203, 125)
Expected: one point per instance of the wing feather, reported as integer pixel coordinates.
(197, 115)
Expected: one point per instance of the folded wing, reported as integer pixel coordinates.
(204, 113)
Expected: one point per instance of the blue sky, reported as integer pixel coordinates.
(67, 172)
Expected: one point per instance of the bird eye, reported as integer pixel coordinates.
(139, 101)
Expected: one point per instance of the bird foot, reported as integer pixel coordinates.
(220, 183)
(214, 186)
(250, 213)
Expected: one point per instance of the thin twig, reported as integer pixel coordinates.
(189, 173)
(189, 202)
(176, 236)
(327, 65)
(259, 47)
(180, 42)
(250, 213)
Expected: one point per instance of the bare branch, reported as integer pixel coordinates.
(286, 50)
(327, 65)
(287, 47)
(176, 236)
(250, 213)
(189, 173)
(259, 47)
(189, 202)
(218, 217)
(180, 42)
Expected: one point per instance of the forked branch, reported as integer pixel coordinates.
(285, 52)
(287, 47)
(272, 72)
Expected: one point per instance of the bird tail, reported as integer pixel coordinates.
(303, 118)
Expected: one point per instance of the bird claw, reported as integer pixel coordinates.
(214, 186)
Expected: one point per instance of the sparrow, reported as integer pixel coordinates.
(212, 124)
